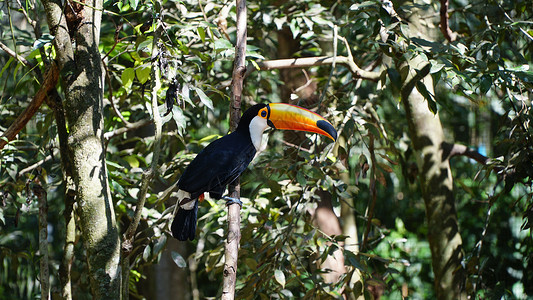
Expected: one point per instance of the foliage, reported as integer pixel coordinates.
(483, 85)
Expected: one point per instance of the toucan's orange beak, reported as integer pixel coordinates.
(292, 117)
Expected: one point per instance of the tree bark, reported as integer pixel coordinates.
(328, 223)
(83, 78)
(40, 192)
(436, 184)
(233, 239)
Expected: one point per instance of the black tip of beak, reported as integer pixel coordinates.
(327, 127)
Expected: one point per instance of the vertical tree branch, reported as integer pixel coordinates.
(234, 218)
(444, 22)
(43, 241)
(129, 236)
(68, 250)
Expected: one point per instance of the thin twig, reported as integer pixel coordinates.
(39, 163)
(15, 55)
(130, 126)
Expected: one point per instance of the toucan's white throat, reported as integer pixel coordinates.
(258, 125)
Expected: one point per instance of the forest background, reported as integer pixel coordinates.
(427, 192)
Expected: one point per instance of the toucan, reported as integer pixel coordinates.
(224, 159)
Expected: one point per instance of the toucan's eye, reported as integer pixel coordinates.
(263, 113)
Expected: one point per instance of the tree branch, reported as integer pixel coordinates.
(231, 245)
(15, 55)
(38, 164)
(444, 24)
(49, 83)
(40, 193)
(451, 150)
(68, 250)
(130, 126)
(306, 62)
(129, 235)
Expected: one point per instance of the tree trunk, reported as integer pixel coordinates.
(328, 223)
(82, 72)
(436, 183)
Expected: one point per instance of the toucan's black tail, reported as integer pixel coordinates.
(184, 224)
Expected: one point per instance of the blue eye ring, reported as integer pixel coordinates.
(263, 113)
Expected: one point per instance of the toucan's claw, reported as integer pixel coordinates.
(231, 200)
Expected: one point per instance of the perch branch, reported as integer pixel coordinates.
(231, 246)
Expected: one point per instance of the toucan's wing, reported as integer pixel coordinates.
(217, 165)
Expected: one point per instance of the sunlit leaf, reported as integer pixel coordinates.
(127, 78)
(143, 73)
(178, 259)
(223, 44)
(204, 99)
(146, 253)
(280, 277)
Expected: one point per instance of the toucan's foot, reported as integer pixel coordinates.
(231, 200)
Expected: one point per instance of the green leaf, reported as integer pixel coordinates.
(179, 118)
(146, 253)
(201, 33)
(127, 78)
(395, 78)
(363, 6)
(280, 22)
(143, 73)
(132, 161)
(254, 54)
(134, 3)
(205, 100)
(113, 164)
(145, 46)
(178, 259)
(421, 87)
(6, 66)
(485, 84)
(159, 245)
(280, 277)
(435, 67)
(223, 44)
(45, 39)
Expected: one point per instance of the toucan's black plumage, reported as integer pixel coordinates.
(223, 160)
